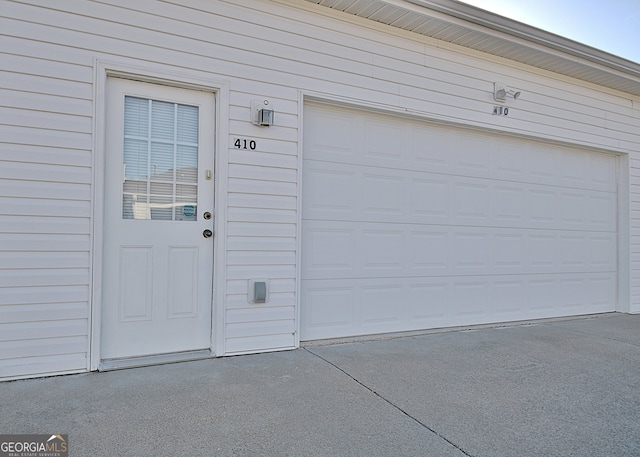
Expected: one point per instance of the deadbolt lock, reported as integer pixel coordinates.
(207, 216)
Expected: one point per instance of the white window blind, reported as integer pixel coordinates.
(160, 160)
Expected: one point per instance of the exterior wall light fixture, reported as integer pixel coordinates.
(261, 113)
(501, 92)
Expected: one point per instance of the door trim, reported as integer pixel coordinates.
(158, 74)
(156, 359)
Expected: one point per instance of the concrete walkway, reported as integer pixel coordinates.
(554, 388)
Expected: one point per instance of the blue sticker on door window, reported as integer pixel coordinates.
(189, 210)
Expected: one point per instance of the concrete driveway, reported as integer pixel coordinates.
(567, 387)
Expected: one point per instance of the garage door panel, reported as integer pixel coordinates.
(407, 226)
(338, 249)
(472, 154)
(382, 304)
(383, 249)
(422, 147)
(600, 289)
(328, 191)
(470, 201)
(341, 145)
(383, 195)
(506, 301)
(601, 251)
(336, 308)
(601, 211)
(508, 252)
(429, 250)
(329, 309)
(383, 143)
(508, 204)
(431, 149)
(429, 300)
(510, 160)
(423, 204)
(470, 299)
(602, 172)
(329, 247)
(347, 192)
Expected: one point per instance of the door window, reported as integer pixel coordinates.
(160, 169)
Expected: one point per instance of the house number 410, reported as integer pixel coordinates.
(243, 143)
(500, 111)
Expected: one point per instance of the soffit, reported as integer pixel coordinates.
(464, 25)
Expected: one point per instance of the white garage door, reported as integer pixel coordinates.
(409, 225)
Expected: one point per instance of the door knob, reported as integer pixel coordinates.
(207, 233)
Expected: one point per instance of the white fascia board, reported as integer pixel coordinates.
(488, 20)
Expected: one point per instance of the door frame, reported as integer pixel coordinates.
(157, 74)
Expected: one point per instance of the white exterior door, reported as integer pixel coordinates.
(408, 225)
(158, 248)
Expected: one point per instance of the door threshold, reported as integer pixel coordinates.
(157, 359)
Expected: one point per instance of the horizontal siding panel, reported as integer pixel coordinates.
(252, 186)
(236, 272)
(43, 330)
(44, 208)
(182, 37)
(259, 343)
(325, 51)
(259, 258)
(163, 47)
(22, 189)
(33, 366)
(281, 140)
(48, 103)
(45, 225)
(263, 159)
(263, 173)
(29, 154)
(35, 295)
(61, 62)
(45, 172)
(241, 301)
(260, 314)
(262, 215)
(45, 119)
(250, 329)
(262, 201)
(21, 82)
(44, 260)
(44, 277)
(39, 243)
(283, 23)
(44, 137)
(239, 287)
(44, 347)
(245, 243)
(43, 312)
(257, 229)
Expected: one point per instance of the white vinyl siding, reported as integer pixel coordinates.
(265, 49)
